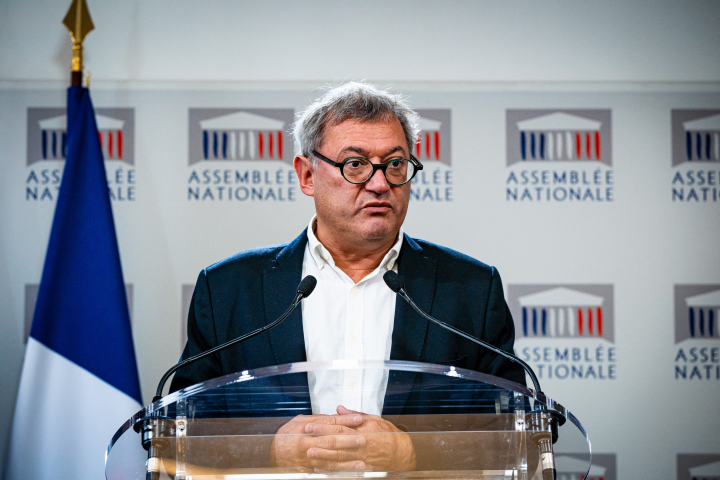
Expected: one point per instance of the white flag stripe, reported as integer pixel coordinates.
(251, 145)
(571, 321)
(569, 145)
(62, 409)
(550, 147)
(233, 145)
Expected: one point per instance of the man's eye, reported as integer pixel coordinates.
(354, 164)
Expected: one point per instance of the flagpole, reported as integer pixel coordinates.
(79, 379)
(79, 23)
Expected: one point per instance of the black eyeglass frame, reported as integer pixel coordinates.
(376, 166)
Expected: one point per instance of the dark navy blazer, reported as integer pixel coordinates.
(253, 288)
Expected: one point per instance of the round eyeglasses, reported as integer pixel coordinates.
(359, 170)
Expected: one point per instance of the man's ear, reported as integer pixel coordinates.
(305, 172)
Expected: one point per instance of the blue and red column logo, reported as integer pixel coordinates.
(696, 466)
(562, 311)
(697, 339)
(559, 135)
(695, 155)
(47, 137)
(565, 331)
(240, 134)
(573, 466)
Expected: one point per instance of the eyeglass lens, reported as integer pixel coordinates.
(358, 170)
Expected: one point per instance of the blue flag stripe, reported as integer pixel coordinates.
(81, 311)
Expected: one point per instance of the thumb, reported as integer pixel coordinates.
(341, 410)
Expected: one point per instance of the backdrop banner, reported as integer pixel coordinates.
(601, 210)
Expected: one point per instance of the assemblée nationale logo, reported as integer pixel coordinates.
(694, 466)
(241, 155)
(559, 155)
(565, 331)
(573, 466)
(434, 183)
(697, 318)
(47, 147)
(695, 155)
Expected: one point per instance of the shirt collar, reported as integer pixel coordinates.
(321, 256)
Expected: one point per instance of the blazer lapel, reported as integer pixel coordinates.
(280, 281)
(410, 329)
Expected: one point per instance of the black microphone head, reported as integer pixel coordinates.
(393, 280)
(307, 285)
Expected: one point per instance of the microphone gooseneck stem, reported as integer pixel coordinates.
(542, 422)
(158, 394)
(526, 367)
(156, 430)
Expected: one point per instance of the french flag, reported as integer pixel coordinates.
(79, 379)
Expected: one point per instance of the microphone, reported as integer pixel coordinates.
(396, 284)
(155, 428)
(543, 422)
(304, 289)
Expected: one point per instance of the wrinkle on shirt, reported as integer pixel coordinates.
(344, 320)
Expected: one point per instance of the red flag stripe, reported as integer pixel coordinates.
(119, 144)
(578, 146)
(597, 145)
(580, 322)
(588, 146)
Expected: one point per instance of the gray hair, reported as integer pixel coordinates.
(357, 101)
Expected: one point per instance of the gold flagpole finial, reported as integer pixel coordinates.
(78, 21)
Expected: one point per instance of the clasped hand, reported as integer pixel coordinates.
(348, 441)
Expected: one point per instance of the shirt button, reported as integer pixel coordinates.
(354, 291)
(353, 335)
(326, 256)
(391, 265)
(351, 384)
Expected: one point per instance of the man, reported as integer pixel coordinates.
(355, 160)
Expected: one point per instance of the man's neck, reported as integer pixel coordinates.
(357, 261)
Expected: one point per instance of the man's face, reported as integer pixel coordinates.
(371, 212)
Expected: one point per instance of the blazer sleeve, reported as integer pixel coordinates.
(499, 330)
(201, 336)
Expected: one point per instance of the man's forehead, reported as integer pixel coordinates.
(350, 135)
(389, 122)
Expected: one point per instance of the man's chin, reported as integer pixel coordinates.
(378, 231)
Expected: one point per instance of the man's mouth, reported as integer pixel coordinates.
(377, 207)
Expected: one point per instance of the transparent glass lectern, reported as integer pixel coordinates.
(460, 424)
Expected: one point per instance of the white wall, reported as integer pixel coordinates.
(468, 41)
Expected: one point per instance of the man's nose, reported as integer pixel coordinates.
(377, 183)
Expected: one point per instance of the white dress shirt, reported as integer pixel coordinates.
(344, 320)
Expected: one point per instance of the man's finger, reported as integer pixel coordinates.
(335, 442)
(326, 465)
(324, 429)
(341, 410)
(351, 421)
